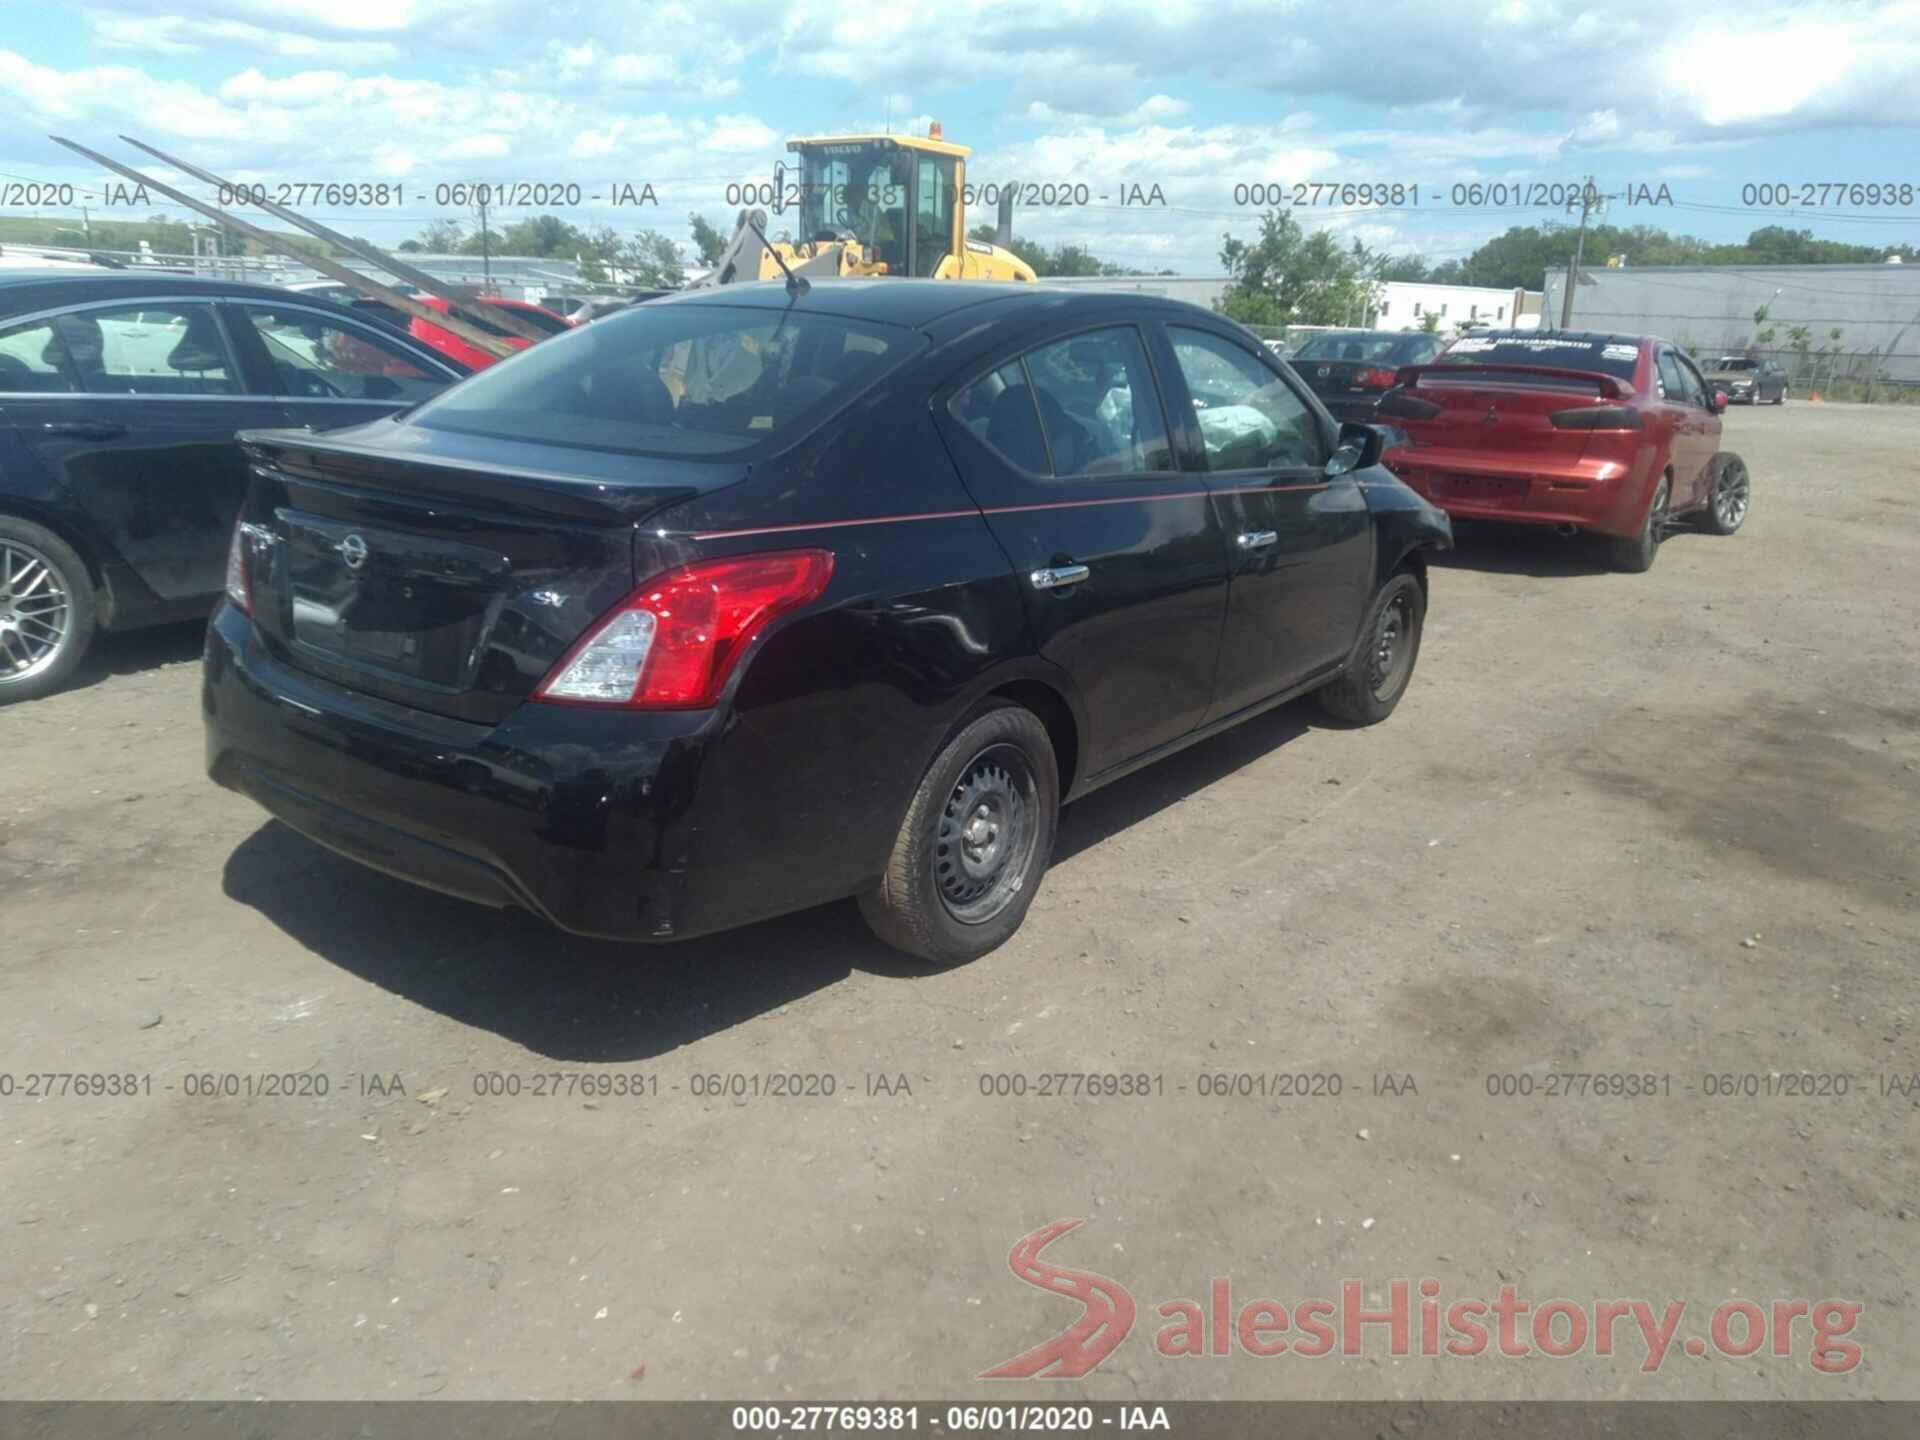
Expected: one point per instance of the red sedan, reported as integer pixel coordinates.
(1616, 435)
(472, 356)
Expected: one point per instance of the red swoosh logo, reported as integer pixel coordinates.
(1090, 1339)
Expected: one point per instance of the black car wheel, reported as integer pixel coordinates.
(1635, 555)
(1377, 675)
(975, 841)
(46, 610)
(1731, 498)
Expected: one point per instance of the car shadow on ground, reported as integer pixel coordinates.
(592, 1001)
(137, 650)
(1522, 550)
(1535, 550)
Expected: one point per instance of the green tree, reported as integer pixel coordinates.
(1288, 277)
(442, 237)
(650, 259)
(707, 240)
(542, 236)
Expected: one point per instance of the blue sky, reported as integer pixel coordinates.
(1194, 98)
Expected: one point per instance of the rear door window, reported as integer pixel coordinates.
(1086, 405)
(1000, 411)
(1673, 385)
(314, 357)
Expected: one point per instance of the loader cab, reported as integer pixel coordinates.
(896, 197)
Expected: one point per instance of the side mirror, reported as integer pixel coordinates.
(1719, 401)
(1360, 446)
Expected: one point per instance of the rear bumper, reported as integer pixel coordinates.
(589, 819)
(1603, 496)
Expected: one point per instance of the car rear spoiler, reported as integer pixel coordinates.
(1611, 386)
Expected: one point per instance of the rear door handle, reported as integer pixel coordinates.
(1058, 577)
(84, 429)
(1258, 539)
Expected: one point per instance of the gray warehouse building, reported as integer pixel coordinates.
(1875, 309)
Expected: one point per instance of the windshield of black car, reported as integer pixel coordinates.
(687, 381)
(1733, 362)
(1602, 356)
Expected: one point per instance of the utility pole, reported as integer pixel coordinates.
(1590, 200)
(486, 240)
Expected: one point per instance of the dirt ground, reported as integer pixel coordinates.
(1599, 789)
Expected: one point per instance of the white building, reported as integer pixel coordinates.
(1405, 305)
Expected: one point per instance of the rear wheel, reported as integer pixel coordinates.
(46, 610)
(975, 841)
(1731, 498)
(1377, 676)
(1635, 555)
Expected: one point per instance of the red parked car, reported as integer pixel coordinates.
(1616, 435)
(452, 346)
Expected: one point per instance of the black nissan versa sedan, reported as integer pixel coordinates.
(120, 392)
(742, 601)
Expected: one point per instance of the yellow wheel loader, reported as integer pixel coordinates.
(868, 205)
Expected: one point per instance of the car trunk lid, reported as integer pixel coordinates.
(443, 571)
(1500, 411)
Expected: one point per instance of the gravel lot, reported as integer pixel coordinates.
(1551, 859)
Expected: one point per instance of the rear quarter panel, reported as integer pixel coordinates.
(835, 715)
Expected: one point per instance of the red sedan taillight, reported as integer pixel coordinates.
(1374, 379)
(673, 642)
(1406, 407)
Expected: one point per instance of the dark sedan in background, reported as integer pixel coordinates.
(120, 393)
(1748, 381)
(741, 601)
(1351, 369)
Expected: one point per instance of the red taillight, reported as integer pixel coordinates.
(673, 642)
(239, 583)
(1597, 417)
(1406, 407)
(1374, 379)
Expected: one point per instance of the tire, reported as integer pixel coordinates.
(1635, 555)
(1367, 691)
(47, 610)
(1730, 498)
(995, 786)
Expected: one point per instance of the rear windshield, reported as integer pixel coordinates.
(1371, 349)
(677, 380)
(1601, 357)
(1733, 362)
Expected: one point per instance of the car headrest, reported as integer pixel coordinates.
(1013, 425)
(200, 347)
(76, 339)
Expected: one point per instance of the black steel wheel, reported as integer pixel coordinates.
(974, 843)
(1367, 691)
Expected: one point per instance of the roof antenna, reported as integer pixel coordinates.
(796, 284)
